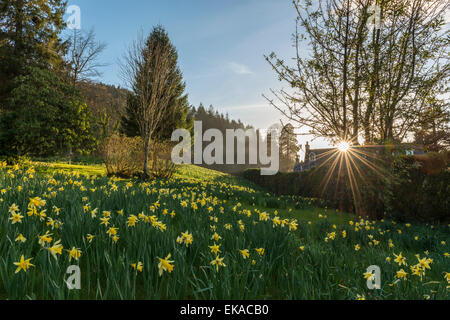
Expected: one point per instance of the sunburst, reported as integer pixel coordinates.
(353, 163)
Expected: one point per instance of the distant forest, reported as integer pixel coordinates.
(109, 101)
(107, 104)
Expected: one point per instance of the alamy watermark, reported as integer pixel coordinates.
(374, 21)
(74, 19)
(73, 282)
(374, 281)
(247, 142)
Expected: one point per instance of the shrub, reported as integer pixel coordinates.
(161, 165)
(411, 188)
(433, 162)
(334, 188)
(123, 156)
(419, 189)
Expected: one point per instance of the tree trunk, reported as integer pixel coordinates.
(69, 154)
(374, 79)
(345, 71)
(146, 152)
(359, 44)
(356, 100)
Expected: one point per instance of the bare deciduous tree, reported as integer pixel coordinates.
(83, 55)
(353, 81)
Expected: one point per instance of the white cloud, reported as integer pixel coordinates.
(239, 68)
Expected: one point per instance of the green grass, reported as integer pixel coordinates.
(326, 268)
(51, 167)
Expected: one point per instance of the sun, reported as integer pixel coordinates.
(343, 146)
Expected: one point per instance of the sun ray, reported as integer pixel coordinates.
(351, 165)
(371, 165)
(331, 169)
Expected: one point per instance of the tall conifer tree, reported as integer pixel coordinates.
(178, 109)
(29, 36)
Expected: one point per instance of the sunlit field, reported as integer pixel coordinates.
(200, 235)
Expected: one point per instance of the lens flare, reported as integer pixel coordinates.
(343, 146)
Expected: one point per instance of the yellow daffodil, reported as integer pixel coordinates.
(400, 259)
(74, 253)
(132, 219)
(21, 238)
(56, 249)
(139, 266)
(165, 265)
(218, 262)
(104, 221)
(216, 237)
(447, 276)
(45, 239)
(16, 218)
(23, 264)
(186, 237)
(401, 274)
(369, 275)
(260, 251)
(245, 253)
(37, 202)
(215, 248)
(112, 231)
(13, 208)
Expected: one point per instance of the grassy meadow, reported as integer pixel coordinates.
(199, 235)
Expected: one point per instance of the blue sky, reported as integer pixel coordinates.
(221, 44)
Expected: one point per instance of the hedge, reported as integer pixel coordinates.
(407, 188)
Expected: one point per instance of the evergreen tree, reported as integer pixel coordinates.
(128, 123)
(48, 117)
(29, 36)
(288, 148)
(176, 115)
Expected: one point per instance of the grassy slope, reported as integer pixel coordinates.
(203, 174)
(49, 167)
(326, 269)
